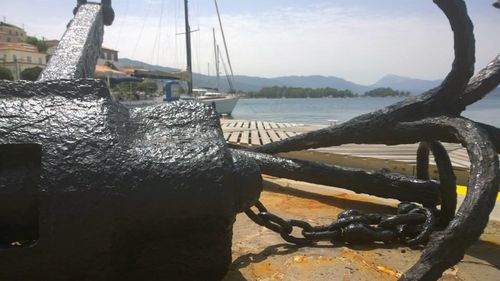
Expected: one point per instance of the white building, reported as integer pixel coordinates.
(18, 56)
(11, 34)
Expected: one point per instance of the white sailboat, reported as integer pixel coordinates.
(223, 103)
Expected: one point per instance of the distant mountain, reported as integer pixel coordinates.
(401, 83)
(317, 81)
(250, 83)
(124, 63)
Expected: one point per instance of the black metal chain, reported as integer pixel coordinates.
(411, 225)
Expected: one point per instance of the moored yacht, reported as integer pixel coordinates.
(223, 103)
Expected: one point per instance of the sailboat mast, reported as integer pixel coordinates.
(224, 40)
(188, 49)
(216, 53)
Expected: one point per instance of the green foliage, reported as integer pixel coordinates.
(135, 90)
(386, 92)
(41, 45)
(31, 74)
(148, 86)
(295, 92)
(5, 74)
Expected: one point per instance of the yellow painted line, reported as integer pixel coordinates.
(462, 190)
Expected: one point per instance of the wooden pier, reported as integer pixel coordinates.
(254, 133)
(395, 158)
(268, 258)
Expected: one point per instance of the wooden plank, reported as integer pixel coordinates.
(263, 137)
(235, 129)
(226, 124)
(375, 151)
(245, 125)
(459, 153)
(245, 137)
(384, 156)
(272, 134)
(460, 157)
(460, 164)
(255, 140)
(274, 125)
(260, 125)
(252, 132)
(282, 135)
(303, 129)
(258, 132)
(234, 137)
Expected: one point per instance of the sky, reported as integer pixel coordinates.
(358, 40)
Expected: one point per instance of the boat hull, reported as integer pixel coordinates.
(223, 106)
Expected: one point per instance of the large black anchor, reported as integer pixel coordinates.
(108, 13)
(90, 190)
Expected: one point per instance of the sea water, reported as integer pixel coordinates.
(321, 110)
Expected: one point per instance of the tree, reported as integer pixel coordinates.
(5, 74)
(386, 92)
(130, 90)
(148, 86)
(296, 92)
(41, 45)
(31, 74)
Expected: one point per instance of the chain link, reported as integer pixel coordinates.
(411, 225)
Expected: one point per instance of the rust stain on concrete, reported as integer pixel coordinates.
(261, 255)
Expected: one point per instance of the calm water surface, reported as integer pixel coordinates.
(319, 111)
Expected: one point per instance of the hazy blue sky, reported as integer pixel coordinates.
(358, 40)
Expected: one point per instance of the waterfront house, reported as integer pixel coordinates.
(19, 56)
(107, 56)
(11, 34)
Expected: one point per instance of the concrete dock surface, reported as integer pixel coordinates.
(260, 254)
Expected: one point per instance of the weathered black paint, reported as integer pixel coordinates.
(448, 183)
(20, 167)
(387, 185)
(97, 191)
(122, 192)
(119, 194)
(434, 116)
(78, 51)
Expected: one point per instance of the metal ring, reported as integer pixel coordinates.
(427, 227)
(393, 221)
(275, 223)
